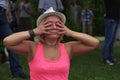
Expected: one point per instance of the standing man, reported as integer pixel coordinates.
(5, 19)
(87, 19)
(112, 18)
(75, 10)
(46, 4)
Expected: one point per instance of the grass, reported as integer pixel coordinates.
(84, 67)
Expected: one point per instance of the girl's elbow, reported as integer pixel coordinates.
(96, 44)
(6, 42)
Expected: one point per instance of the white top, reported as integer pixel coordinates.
(23, 13)
(46, 4)
(4, 3)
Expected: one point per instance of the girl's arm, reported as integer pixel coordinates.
(18, 42)
(83, 43)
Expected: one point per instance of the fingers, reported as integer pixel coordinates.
(61, 32)
(60, 24)
(43, 28)
(46, 26)
(46, 32)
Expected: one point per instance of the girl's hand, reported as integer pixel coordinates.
(63, 29)
(43, 28)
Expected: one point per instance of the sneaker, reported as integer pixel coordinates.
(115, 61)
(108, 62)
(6, 62)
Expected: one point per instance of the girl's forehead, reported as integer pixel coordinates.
(52, 18)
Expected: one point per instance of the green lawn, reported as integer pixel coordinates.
(84, 67)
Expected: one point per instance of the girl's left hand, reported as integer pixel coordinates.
(63, 29)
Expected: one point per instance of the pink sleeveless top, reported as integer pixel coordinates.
(44, 69)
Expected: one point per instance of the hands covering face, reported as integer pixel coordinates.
(49, 27)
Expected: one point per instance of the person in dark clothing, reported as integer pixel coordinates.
(14, 12)
(112, 19)
(15, 67)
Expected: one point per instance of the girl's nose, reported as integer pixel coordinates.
(54, 26)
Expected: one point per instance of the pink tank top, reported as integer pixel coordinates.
(44, 69)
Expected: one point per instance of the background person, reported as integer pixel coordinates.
(112, 19)
(43, 5)
(76, 11)
(87, 20)
(25, 14)
(15, 67)
(14, 12)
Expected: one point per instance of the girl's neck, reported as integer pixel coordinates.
(51, 42)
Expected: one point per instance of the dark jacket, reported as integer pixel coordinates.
(112, 8)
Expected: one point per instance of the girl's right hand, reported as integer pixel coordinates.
(42, 28)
